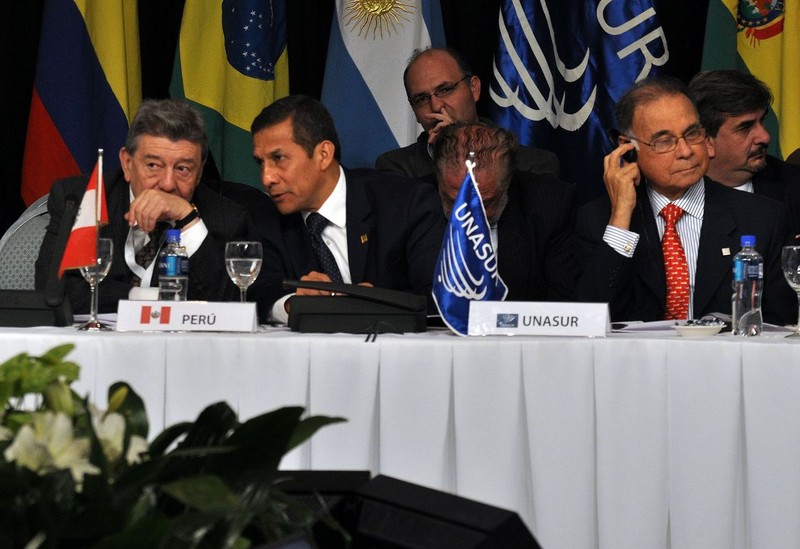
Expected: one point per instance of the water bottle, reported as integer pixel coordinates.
(173, 269)
(748, 283)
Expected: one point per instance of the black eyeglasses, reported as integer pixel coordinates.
(422, 99)
(666, 144)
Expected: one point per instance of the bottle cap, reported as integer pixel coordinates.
(748, 240)
(173, 235)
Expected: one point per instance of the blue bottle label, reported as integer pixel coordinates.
(171, 266)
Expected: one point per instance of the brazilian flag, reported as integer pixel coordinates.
(231, 63)
(763, 38)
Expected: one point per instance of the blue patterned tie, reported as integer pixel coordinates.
(316, 224)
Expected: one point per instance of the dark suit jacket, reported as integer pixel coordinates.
(208, 279)
(414, 161)
(780, 181)
(394, 233)
(536, 234)
(635, 288)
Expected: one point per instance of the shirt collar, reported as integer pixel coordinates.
(692, 202)
(334, 209)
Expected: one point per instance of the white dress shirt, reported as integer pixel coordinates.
(688, 227)
(191, 239)
(334, 209)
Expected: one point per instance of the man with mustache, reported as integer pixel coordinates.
(733, 106)
(660, 246)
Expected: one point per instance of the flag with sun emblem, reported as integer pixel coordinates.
(231, 63)
(763, 38)
(370, 44)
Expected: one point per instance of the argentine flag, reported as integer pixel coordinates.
(363, 86)
(466, 270)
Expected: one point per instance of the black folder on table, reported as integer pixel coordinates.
(356, 309)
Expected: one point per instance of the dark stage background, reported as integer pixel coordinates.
(470, 27)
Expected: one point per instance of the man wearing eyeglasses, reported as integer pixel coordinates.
(733, 107)
(441, 90)
(661, 245)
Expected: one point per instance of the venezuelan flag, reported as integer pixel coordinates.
(231, 63)
(86, 89)
(763, 38)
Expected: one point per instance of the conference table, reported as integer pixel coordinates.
(633, 440)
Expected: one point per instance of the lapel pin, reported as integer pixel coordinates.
(364, 239)
(726, 251)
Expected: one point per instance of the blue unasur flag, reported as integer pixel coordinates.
(466, 270)
(368, 51)
(558, 74)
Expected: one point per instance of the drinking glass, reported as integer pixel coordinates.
(243, 261)
(790, 260)
(94, 275)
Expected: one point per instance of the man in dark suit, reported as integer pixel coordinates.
(441, 90)
(328, 223)
(532, 217)
(620, 236)
(162, 162)
(733, 106)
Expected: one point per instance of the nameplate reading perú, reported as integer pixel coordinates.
(186, 316)
(538, 318)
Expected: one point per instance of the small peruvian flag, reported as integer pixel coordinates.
(81, 249)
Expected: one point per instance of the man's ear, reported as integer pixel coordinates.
(475, 87)
(324, 152)
(711, 146)
(125, 159)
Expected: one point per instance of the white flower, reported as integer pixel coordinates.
(138, 445)
(110, 430)
(47, 445)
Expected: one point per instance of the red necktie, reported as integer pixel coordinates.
(675, 266)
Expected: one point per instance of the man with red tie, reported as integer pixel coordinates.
(661, 244)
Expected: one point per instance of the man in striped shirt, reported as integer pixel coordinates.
(620, 236)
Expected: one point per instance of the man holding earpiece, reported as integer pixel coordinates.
(660, 245)
(441, 90)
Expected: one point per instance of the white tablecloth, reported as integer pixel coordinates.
(628, 441)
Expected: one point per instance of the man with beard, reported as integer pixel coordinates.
(733, 106)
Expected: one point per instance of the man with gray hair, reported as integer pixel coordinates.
(157, 188)
(733, 107)
(660, 246)
(531, 216)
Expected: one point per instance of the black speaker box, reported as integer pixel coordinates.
(389, 513)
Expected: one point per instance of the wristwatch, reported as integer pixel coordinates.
(191, 216)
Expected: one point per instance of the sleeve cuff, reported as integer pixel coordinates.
(622, 241)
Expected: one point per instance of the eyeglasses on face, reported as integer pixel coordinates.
(692, 136)
(422, 99)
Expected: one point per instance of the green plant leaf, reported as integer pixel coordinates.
(124, 400)
(149, 531)
(212, 426)
(205, 492)
(310, 425)
(260, 445)
(164, 440)
(56, 354)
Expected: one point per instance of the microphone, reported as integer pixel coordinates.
(53, 288)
